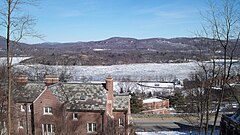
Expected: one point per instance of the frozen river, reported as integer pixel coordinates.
(136, 72)
(146, 71)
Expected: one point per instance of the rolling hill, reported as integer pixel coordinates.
(115, 50)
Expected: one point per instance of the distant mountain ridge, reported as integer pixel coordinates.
(115, 50)
(119, 43)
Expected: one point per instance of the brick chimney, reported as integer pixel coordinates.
(109, 87)
(51, 79)
(21, 79)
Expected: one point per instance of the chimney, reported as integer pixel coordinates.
(51, 79)
(109, 87)
(21, 79)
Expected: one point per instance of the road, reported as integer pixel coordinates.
(162, 124)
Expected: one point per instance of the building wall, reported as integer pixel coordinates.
(22, 119)
(161, 107)
(120, 122)
(47, 99)
(79, 126)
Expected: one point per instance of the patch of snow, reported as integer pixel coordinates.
(222, 60)
(157, 84)
(15, 60)
(151, 100)
(98, 49)
(161, 133)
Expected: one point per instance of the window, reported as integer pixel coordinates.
(121, 122)
(47, 110)
(75, 116)
(22, 108)
(29, 108)
(20, 124)
(48, 129)
(91, 127)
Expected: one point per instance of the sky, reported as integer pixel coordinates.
(93, 20)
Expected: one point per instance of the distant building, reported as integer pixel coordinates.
(54, 108)
(155, 106)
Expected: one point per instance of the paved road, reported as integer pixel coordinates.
(161, 124)
(154, 125)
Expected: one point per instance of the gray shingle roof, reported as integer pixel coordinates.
(81, 96)
(76, 96)
(120, 102)
(28, 93)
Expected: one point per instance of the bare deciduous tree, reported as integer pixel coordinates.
(221, 32)
(18, 25)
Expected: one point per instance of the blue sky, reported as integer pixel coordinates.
(91, 20)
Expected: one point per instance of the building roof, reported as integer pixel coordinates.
(121, 102)
(28, 93)
(81, 96)
(75, 96)
(151, 100)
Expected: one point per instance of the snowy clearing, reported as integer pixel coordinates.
(15, 60)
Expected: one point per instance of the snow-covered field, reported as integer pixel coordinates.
(15, 60)
(146, 71)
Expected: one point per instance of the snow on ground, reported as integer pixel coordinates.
(162, 133)
(16, 60)
(151, 100)
(146, 71)
(135, 72)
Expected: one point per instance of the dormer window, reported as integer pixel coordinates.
(75, 116)
(47, 110)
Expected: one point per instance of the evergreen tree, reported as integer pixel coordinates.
(136, 104)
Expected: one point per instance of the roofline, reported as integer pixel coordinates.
(87, 83)
(40, 94)
(80, 83)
